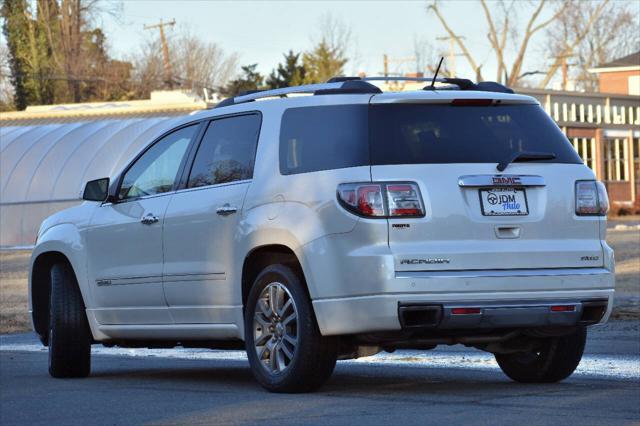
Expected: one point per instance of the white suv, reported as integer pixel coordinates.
(336, 225)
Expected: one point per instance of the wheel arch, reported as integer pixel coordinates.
(40, 289)
(260, 257)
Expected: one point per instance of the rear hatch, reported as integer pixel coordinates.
(476, 217)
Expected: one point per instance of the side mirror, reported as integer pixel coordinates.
(96, 190)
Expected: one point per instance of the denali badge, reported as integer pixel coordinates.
(401, 225)
(434, 261)
(590, 258)
(101, 283)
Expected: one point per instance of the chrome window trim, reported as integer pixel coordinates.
(214, 186)
(144, 197)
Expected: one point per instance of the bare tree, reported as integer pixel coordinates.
(573, 40)
(65, 36)
(504, 36)
(336, 34)
(612, 34)
(148, 70)
(202, 64)
(66, 24)
(458, 40)
(424, 54)
(196, 63)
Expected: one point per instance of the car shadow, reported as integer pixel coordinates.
(369, 381)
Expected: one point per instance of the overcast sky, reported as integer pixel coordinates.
(261, 31)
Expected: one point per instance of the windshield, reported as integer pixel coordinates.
(421, 134)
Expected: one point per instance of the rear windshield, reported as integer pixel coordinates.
(422, 134)
(338, 136)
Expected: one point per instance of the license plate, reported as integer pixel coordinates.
(504, 202)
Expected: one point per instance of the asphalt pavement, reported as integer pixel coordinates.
(450, 385)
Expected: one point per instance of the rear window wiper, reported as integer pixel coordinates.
(525, 156)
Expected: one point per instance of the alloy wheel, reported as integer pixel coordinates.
(275, 328)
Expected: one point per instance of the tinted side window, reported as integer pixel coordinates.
(323, 138)
(227, 151)
(155, 171)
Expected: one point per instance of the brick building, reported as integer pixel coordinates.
(621, 76)
(604, 128)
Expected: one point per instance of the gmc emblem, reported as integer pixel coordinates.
(507, 180)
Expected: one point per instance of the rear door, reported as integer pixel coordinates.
(202, 223)
(478, 218)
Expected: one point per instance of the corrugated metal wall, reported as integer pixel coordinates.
(43, 168)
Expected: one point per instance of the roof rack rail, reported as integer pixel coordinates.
(462, 83)
(388, 78)
(355, 85)
(337, 85)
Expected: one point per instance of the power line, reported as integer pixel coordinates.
(386, 61)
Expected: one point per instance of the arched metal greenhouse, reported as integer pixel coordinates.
(43, 168)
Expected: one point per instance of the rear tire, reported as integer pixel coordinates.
(286, 351)
(69, 334)
(556, 360)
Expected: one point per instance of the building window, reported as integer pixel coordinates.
(616, 159)
(586, 149)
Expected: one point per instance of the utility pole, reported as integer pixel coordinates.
(451, 65)
(168, 73)
(386, 61)
(565, 69)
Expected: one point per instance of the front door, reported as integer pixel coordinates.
(202, 222)
(124, 241)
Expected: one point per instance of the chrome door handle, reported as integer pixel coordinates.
(149, 219)
(226, 210)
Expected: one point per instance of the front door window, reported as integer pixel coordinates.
(155, 172)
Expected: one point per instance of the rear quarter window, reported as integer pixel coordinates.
(424, 134)
(323, 138)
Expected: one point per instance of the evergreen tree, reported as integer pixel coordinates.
(323, 62)
(15, 30)
(249, 80)
(289, 73)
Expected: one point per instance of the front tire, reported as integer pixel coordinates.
(69, 334)
(555, 360)
(286, 351)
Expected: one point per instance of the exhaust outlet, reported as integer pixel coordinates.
(414, 317)
(592, 311)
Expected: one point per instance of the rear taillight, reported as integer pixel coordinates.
(591, 198)
(404, 199)
(382, 200)
(362, 198)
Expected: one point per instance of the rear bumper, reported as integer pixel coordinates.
(492, 315)
(506, 299)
